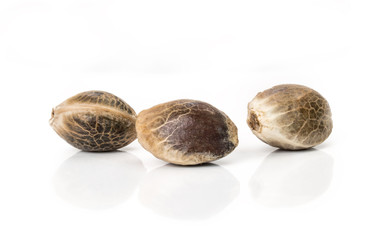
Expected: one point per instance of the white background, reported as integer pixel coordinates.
(222, 52)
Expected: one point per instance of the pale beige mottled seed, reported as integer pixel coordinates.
(95, 121)
(290, 116)
(186, 132)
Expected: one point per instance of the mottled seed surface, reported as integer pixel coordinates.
(95, 121)
(186, 132)
(290, 117)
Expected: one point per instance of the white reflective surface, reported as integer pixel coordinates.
(221, 52)
(287, 179)
(188, 192)
(98, 180)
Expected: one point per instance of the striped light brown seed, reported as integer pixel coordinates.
(290, 116)
(95, 121)
(186, 132)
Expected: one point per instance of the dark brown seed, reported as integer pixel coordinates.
(95, 121)
(186, 132)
